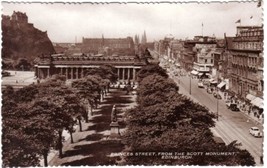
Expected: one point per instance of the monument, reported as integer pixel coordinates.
(114, 126)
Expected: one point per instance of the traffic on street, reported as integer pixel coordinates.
(230, 125)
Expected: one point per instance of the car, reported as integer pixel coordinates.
(233, 107)
(200, 85)
(255, 131)
(209, 90)
(217, 95)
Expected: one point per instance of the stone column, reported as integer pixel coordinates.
(118, 73)
(71, 73)
(123, 74)
(128, 77)
(61, 71)
(82, 73)
(48, 74)
(38, 72)
(67, 76)
(77, 73)
(133, 74)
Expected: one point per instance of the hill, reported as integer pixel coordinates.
(21, 40)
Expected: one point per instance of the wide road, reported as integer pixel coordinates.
(231, 125)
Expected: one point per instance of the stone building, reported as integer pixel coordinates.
(113, 46)
(188, 55)
(175, 50)
(74, 67)
(246, 50)
(19, 17)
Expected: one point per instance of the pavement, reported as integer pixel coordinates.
(93, 146)
(19, 79)
(230, 126)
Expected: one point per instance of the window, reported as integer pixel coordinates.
(211, 61)
(205, 60)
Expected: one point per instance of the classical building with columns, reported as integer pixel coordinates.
(74, 67)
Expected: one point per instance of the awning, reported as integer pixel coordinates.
(250, 97)
(194, 72)
(221, 85)
(257, 102)
(200, 74)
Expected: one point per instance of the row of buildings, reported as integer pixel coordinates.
(73, 60)
(103, 46)
(236, 63)
(98, 46)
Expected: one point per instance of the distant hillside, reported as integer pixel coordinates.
(21, 40)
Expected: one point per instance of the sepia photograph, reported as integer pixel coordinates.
(119, 84)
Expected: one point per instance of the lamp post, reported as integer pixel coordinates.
(190, 86)
(217, 108)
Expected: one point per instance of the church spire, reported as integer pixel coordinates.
(102, 42)
(144, 39)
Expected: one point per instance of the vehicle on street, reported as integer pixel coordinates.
(233, 106)
(200, 85)
(205, 82)
(217, 95)
(209, 91)
(255, 131)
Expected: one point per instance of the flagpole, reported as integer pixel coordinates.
(202, 30)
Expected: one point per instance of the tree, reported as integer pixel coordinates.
(39, 125)
(66, 107)
(166, 121)
(105, 72)
(18, 149)
(34, 118)
(149, 70)
(23, 65)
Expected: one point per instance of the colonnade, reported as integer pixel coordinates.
(124, 73)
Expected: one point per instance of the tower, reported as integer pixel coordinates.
(144, 40)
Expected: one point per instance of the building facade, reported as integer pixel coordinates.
(110, 46)
(75, 66)
(246, 50)
(188, 55)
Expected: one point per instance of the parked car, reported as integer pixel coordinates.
(217, 95)
(233, 107)
(255, 131)
(200, 85)
(209, 90)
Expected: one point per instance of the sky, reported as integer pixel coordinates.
(70, 22)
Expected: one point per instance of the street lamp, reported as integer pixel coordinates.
(190, 86)
(217, 104)
(217, 109)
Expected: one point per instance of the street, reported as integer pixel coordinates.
(231, 125)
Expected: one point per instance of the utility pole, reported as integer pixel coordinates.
(202, 29)
(217, 108)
